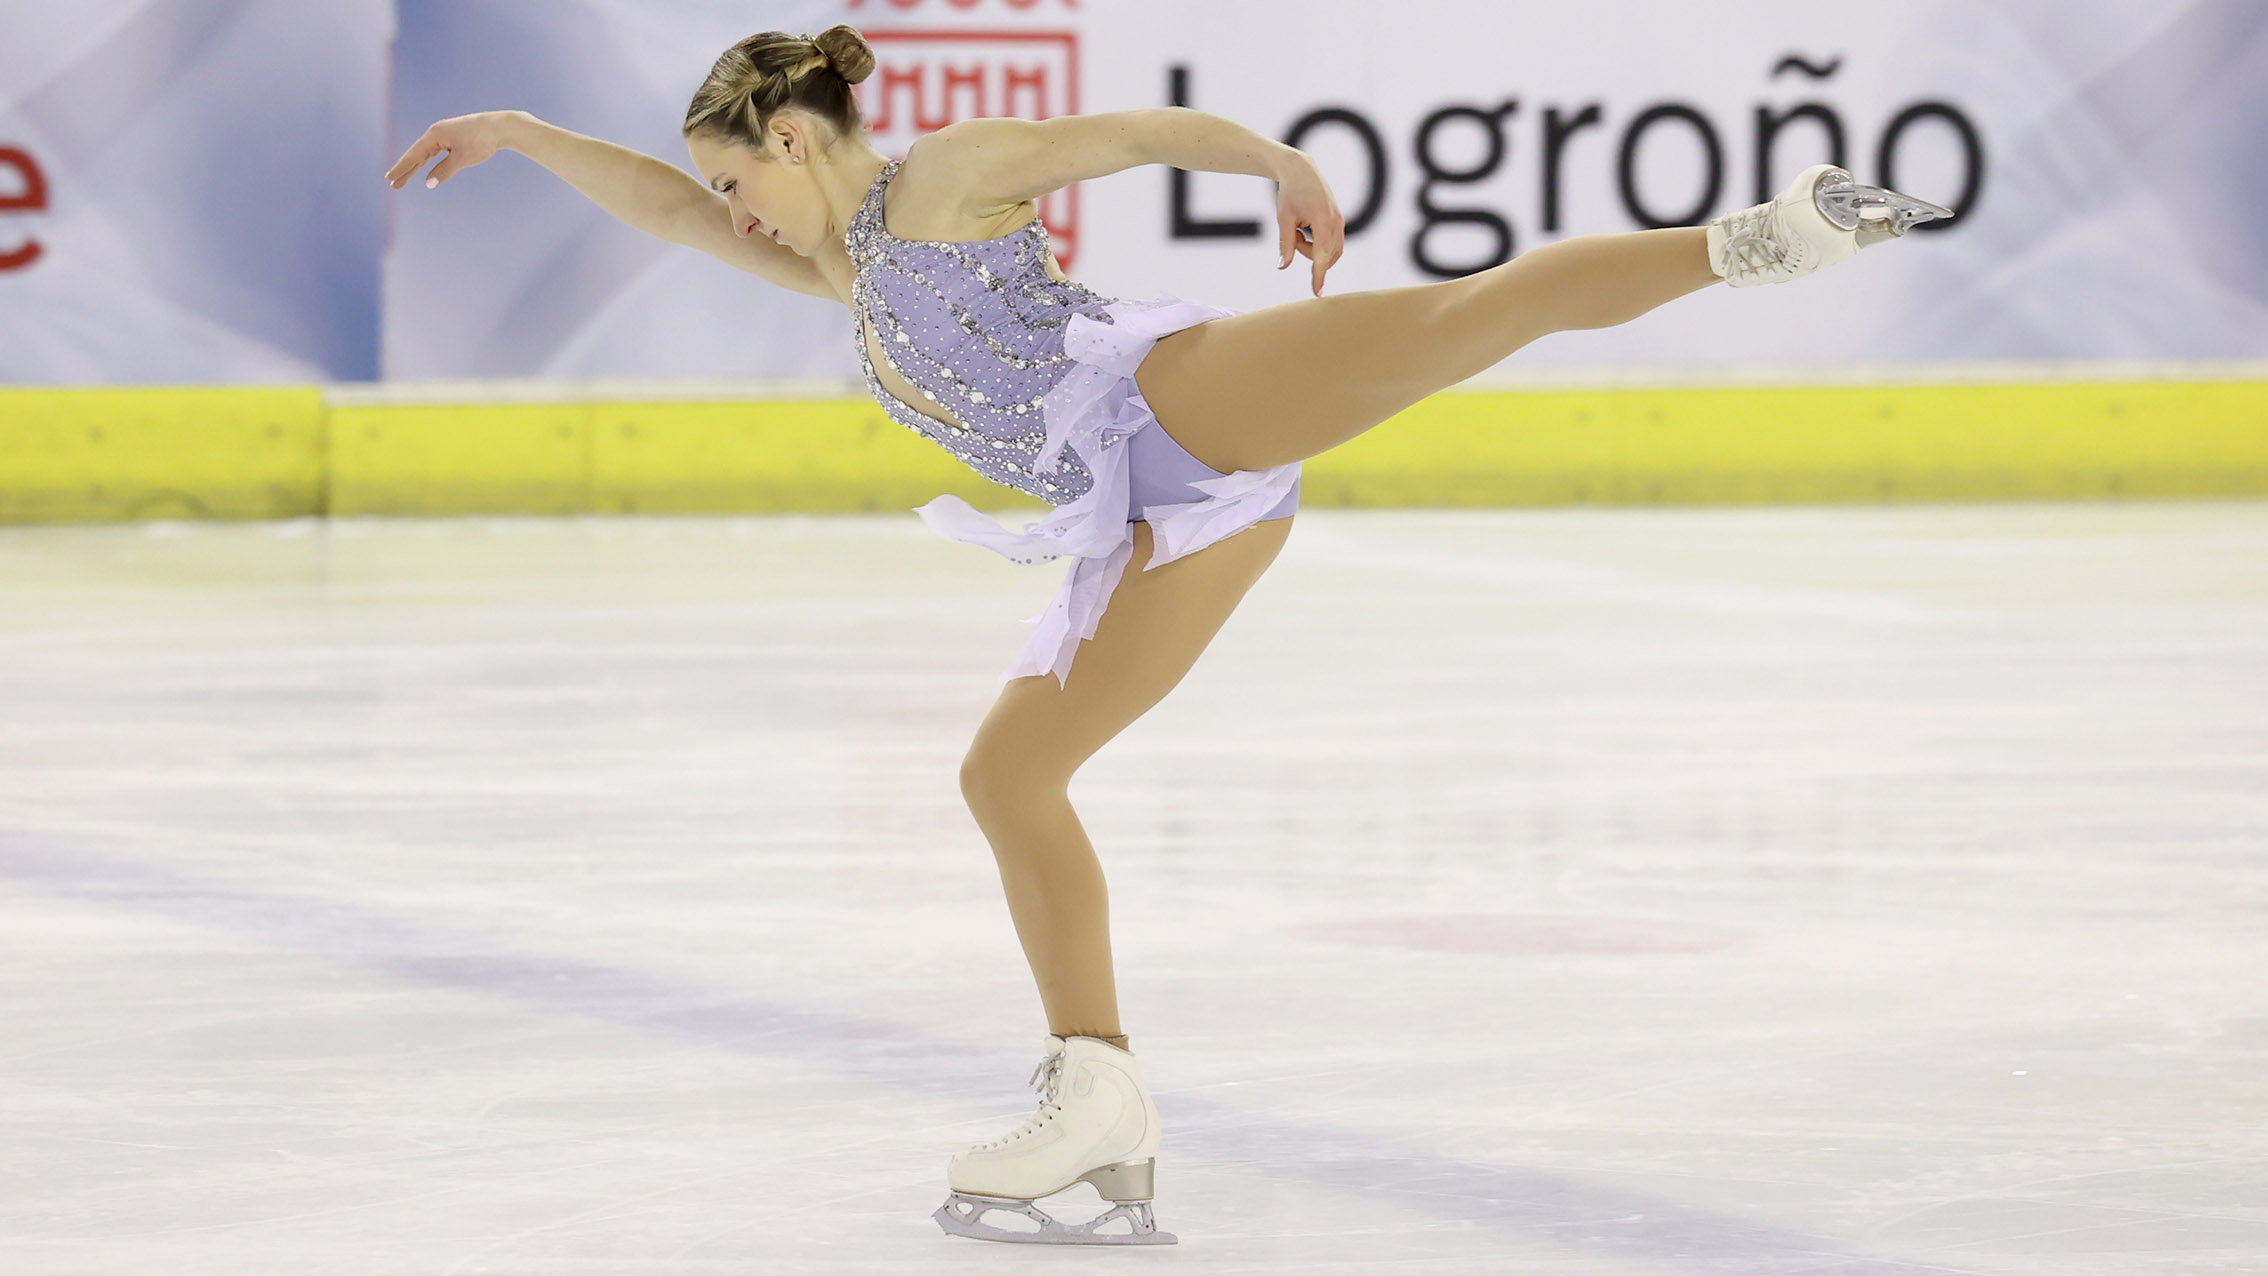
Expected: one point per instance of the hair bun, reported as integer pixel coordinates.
(847, 52)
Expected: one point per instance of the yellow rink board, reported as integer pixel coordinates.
(203, 452)
(271, 452)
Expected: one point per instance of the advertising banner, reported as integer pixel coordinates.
(2101, 155)
(189, 188)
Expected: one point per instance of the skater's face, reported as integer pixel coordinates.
(773, 194)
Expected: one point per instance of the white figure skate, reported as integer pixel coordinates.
(1095, 1124)
(1822, 218)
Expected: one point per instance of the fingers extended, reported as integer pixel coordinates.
(1330, 245)
(412, 159)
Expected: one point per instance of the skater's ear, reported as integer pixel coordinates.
(791, 137)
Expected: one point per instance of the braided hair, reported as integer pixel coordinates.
(767, 73)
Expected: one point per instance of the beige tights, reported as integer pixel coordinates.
(1273, 386)
(1247, 392)
(1017, 772)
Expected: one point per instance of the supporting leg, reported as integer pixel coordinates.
(1056, 896)
(1017, 770)
(1279, 385)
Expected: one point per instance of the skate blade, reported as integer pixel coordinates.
(962, 1214)
(1850, 206)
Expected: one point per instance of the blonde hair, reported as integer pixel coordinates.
(765, 74)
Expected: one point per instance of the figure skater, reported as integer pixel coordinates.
(1167, 434)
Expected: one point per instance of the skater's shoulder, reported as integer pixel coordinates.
(929, 199)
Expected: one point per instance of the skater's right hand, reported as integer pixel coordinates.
(1308, 220)
(468, 139)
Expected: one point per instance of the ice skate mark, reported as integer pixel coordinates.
(1518, 935)
(1796, 62)
(1530, 1205)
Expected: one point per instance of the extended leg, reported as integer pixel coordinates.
(1283, 384)
(1018, 769)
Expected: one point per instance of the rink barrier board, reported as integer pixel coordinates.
(132, 454)
(71, 455)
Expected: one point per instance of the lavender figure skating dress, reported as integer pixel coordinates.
(1039, 372)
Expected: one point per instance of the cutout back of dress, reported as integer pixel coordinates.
(977, 328)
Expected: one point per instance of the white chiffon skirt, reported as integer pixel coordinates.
(1094, 412)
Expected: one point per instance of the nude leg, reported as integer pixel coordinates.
(1279, 385)
(1018, 769)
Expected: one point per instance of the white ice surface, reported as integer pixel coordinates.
(1852, 891)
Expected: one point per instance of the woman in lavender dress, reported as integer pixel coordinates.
(1167, 434)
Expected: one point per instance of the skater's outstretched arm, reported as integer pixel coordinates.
(652, 195)
(997, 164)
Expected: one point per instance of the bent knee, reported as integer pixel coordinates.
(992, 780)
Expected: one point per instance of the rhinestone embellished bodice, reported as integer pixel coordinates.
(977, 327)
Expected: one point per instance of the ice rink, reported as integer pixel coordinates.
(1690, 892)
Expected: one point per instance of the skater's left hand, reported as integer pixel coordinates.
(1304, 201)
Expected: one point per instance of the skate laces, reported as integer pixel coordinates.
(1048, 1076)
(1754, 242)
(1047, 1079)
